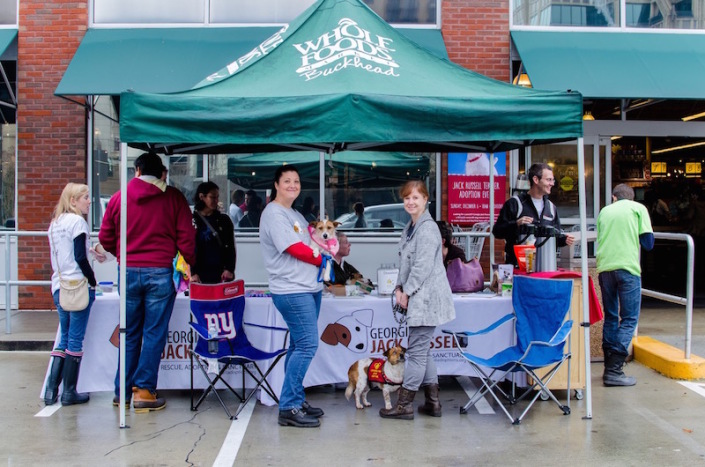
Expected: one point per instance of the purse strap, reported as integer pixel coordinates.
(210, 227)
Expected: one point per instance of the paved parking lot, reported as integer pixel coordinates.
(657, 422)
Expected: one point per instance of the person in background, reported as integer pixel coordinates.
(215, 238)
(307, 210)
(423, 290)
(359, 209)
(69, 242)
(450, 251)
(159, 225)
(236, 199)
(249, 194)
(296, 292)
(254, 211)
(523, 209)
(343, 270)
(386, 224)
(623, 228)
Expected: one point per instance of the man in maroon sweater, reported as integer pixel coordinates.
(159, 223)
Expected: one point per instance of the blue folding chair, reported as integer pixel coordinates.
(541, 328)
(223, 305)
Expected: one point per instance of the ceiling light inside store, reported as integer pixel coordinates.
(693, 117)
(676, 148)
(588, 116)
(522, 79)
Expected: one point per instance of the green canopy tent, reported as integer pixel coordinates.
(339, 78)
(363, 167)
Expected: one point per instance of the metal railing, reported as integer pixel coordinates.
(687, 301)
(9, 283)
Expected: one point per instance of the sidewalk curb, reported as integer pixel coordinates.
(667, 360)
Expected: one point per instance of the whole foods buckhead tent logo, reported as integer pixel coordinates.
(346, 46)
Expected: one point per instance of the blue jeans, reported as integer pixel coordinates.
(73, 325)
(621, 299)
(300, 312)
(150, 301)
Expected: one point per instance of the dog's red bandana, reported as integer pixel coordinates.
(330, 245)
(375, 374)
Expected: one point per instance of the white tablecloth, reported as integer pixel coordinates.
(350, 329)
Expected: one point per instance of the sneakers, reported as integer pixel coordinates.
(144, 400)
(296, 417)
(311, 411)
(116, 401)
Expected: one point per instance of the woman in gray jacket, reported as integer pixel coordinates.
(422, 288)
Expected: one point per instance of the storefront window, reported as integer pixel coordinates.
(370, 178)
(7, 189)
(593, 13)
(243, 11)
(563, 158)
(8, 11)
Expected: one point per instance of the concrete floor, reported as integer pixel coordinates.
(657, 422)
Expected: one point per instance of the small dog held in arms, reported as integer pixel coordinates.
(323, 239)
(386, 374)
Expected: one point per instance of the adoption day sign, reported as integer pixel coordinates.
(469, 186)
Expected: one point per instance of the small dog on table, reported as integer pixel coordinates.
(323, 239)
(386, 374)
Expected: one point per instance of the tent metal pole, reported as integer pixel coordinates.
(490, 217)
(584, 276)
(123, 276)
(321, 184)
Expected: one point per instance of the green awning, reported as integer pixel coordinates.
(615, 65)
(6, 38)
(163, 60)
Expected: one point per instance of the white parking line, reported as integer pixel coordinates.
(482, 405)
(231, 444)
(698, 388)
(48, 411)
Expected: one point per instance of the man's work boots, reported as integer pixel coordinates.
(613, 375)
(144, 400)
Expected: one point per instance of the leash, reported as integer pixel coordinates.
(398, 312)
(325, 259)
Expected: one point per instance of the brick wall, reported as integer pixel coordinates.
(476, 33)
(51, 130)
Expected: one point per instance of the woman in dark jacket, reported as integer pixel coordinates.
(215, 238)
(450, 251)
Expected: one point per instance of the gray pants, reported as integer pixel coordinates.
(420, 368)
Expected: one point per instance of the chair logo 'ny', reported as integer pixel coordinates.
(225, 325)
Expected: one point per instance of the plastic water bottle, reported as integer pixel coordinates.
(212, 334)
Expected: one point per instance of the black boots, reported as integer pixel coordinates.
(296, 417)
(613, 375)
(432, 406)
(51, 395)
(70, 397)
(403, 409)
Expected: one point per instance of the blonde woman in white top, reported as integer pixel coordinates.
(69, 241)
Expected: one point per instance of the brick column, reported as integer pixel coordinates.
(476, 33)
(51, 131)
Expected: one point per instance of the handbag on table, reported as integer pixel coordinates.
(465, 277)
